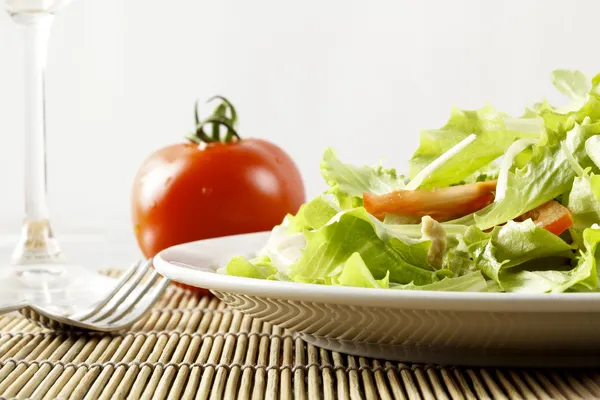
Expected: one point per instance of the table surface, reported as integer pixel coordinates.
(196, 347)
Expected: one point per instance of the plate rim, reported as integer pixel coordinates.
(353, 296)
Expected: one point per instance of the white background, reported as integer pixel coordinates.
(362, 76)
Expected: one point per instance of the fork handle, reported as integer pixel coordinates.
(16, 306)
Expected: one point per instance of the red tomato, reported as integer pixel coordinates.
(189, 191)
(441, 204)
(552, 216)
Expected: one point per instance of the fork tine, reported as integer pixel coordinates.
(120, 283)
(152, 292)
(123, 301)
(117, 296)
(139, 312)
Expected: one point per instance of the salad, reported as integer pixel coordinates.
(491, 202)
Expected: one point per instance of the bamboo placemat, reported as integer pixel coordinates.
(195, 347)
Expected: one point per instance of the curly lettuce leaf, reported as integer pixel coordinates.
(457, 259)
(348, 182)
(258, 268)
(356, 273)
(488, 173)
(584, 203)
(510, 245)
(313, 215)
(495, 132)
(592, 148)
(547, 174)
(356, 231)
(584, 96)
(574, 85)
(583, 277)
(471, 282)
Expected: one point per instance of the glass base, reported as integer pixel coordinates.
(50, 278)
(62, 288)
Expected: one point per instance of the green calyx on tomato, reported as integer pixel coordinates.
(218, 119)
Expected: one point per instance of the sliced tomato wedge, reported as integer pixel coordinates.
(440, 204)
(552, 216)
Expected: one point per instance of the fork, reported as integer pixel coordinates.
(131, 298)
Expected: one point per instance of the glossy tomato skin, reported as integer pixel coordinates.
(185, 192)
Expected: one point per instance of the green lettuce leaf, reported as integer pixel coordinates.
(356, 273)
(584, 203)
(471, 282)
(548, 174)
(415, 231)
(592, 148)
(313, 215)
(487, 173)
(495, 132)
(584, 96)
(258, 268)
(457, 259)
(510, 245)
(348, 182)
(356, 231)
(574, 85)
(583, 277)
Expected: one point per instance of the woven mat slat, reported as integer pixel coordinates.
(194, 347)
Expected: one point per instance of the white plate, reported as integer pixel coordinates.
(485, 329)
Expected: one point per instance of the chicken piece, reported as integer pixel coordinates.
(434, 231)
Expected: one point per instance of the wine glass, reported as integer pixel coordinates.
(38, 271)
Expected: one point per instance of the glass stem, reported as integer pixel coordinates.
(37, 244)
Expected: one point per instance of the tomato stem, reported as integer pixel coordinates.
(228, 104)
(216, 120)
